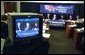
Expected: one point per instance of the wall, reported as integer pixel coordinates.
(81, 10)
(2, 8)
(29, 7)
(34, 7)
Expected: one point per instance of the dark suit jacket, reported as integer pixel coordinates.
(4, 30)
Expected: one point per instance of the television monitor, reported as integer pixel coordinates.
(24, 26)
(58, 9)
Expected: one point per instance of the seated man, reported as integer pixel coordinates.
(70, 17)
(36, 26)
(62, 17)
(18, 25)
(77, 17)
(48, 16)
(54, 17)
(27, 26)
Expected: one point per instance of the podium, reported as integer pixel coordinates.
(77, 37)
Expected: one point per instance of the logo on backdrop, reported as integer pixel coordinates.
(50, 8)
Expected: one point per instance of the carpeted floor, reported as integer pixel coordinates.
(59, 44)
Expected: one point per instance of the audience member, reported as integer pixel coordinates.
(4, 27)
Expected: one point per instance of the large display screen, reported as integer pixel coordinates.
(26, 27)
(58, 9)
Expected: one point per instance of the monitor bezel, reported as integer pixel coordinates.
(27, 38)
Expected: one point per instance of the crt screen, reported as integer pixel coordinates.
(27, 27)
